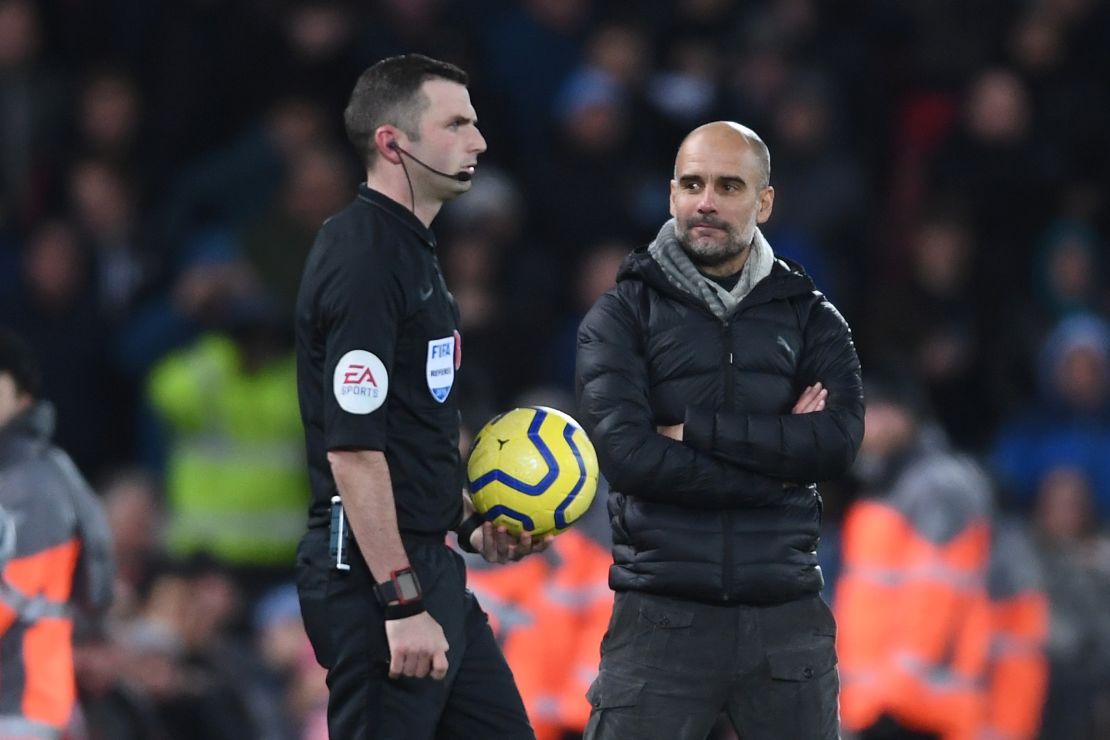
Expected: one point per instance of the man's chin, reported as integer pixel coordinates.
(708, 259)
(706, 252)
(455, 189)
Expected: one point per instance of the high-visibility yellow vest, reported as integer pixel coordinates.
(236, 480)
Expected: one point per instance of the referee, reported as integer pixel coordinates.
(408, 651)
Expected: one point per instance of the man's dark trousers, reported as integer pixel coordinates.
(669, 667)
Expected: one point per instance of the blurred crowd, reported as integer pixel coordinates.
(941, 168)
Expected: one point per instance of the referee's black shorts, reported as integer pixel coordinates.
(477, 699)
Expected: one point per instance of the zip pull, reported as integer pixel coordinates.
(730, 358)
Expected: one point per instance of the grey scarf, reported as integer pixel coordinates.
(682, 273)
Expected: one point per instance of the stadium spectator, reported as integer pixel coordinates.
(133, 505)
(55, 555)
(912, 602)
(55, 309)
(32, 98)
(930, 313)
(1069, 424)
(276, 245)
(236, 483)
(1075, 557)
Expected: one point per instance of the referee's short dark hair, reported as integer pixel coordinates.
(17, 360)
(389, 92)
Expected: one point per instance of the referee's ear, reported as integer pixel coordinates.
(385, 139)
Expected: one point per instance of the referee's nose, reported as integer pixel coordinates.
(478, 145)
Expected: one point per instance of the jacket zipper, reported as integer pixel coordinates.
(726, 539)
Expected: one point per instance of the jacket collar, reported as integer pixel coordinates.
(34, 426)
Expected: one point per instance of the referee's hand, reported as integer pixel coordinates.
(417, 647)
(498, 546)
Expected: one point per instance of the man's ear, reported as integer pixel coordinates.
(766, 204)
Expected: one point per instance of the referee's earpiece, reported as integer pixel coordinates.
(392, 145)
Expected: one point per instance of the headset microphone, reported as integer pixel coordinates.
(460, 176)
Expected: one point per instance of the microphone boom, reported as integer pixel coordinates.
(460, 176)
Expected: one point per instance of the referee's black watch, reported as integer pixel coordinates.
(403, 587)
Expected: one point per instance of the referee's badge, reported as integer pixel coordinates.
(441, 367)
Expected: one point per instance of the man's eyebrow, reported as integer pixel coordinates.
(722, 178)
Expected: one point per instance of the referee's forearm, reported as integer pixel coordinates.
(366, 489)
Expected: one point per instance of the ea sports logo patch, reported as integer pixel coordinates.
(360, 382)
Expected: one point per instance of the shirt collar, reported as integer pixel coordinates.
(397, 211)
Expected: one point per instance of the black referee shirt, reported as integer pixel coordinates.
(378, 346)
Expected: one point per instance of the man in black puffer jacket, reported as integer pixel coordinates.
(718, 386)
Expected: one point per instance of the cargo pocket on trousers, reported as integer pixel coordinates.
(658, 628)
(803, 663)
(614, 711)
(802, 694)
(609, 691)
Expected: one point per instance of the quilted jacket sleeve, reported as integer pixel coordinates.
(799, 447)
(612, 388)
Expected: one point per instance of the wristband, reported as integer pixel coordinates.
(402, 611)
(466, 529)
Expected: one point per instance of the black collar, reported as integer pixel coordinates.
(397, 211)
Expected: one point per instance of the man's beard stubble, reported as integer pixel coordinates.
(716, 254)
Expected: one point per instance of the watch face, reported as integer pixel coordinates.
(408, 588)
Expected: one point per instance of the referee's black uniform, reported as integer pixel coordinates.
(378, 345)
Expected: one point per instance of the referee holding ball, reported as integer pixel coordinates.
(408, 651)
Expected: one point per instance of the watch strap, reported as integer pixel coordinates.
(385, 592)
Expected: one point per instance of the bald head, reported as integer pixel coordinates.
(727, 135)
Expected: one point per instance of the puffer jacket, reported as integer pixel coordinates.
(731, 513)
